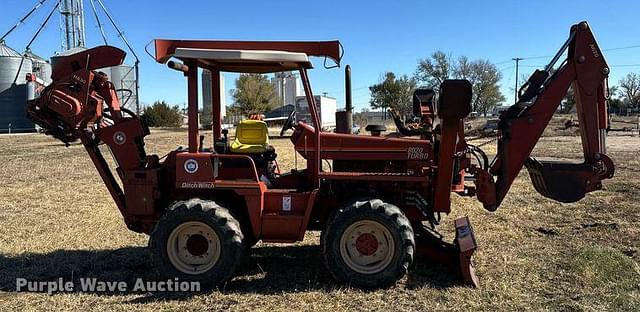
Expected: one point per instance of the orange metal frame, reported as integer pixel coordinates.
(269, 227)
(71, 107)
(522, 126)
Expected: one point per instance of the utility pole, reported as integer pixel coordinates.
(515, 96)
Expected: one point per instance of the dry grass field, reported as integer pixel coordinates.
(57, 220)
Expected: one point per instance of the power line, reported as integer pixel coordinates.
(530, 66)
(363, 96)
(625, 65)
(608, 49)
(623, 48)
(503, 62)
(510, 77)
(535, 57)
(506, 68)
(518, 59)
(614, 65)
(342, 91)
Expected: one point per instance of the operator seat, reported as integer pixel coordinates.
(252, 137)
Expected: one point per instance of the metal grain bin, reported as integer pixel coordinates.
(65, 53)
(41, 67)
(124, 78)
(13, 91)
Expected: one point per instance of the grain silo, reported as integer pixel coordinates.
(59, 55)
(41, 68)
(123, 78)
(13, 91)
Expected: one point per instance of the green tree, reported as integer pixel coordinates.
(254, 94)
(205, 117)
(483, 75)
(394, 93)
(160, 114)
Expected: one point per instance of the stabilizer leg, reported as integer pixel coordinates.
(457, 255)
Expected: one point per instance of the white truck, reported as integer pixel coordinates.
(327, 110)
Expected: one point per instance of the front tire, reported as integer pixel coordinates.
(197, 240)
(369, 244)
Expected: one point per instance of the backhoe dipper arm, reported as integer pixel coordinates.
(81, 103)
(522, 125)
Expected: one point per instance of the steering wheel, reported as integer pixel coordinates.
(289, 123)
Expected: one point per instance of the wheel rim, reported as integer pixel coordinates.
(193, 247)
(367, 247)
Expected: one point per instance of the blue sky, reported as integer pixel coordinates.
(378, 36)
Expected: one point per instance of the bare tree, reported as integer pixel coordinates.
(464, 69)
(486, 88)
(568, 102)
(432, 71)
(630, 90)
(483, 75)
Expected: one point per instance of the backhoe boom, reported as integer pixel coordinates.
(522, 125)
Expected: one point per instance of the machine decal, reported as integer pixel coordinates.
(79, 79)
(191, 166)
(594, 50)
(119, 138)
(197, 185)
(286, 203)
(417, 153)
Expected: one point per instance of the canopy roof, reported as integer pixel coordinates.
(247, 56)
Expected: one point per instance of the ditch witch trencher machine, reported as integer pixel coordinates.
(379, 201)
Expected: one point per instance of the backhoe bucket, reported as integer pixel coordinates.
(562, 181)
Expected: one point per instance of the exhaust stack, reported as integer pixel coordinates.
(344, 119)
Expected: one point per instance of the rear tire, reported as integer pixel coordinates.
(197, 240)
(369, 244)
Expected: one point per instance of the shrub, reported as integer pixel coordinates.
(160, 114)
